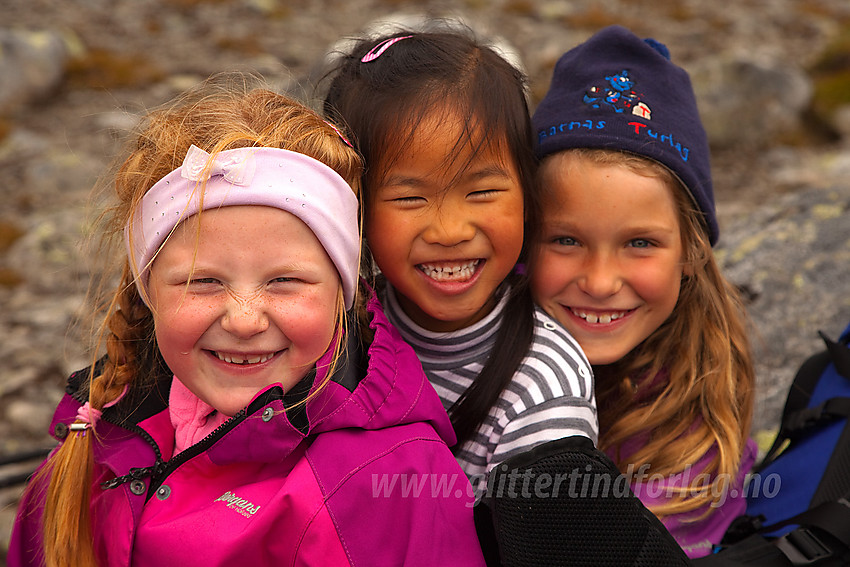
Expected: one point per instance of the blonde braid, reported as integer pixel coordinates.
(67, 524)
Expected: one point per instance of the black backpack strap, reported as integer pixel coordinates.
(753, 551)
(822, 539)
(835, 482)
(798, 398)
(823, 535)
(797, 417)
(799, 422)
(840, 353)
(832, 517)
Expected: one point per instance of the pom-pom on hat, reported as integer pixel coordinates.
(620, 92)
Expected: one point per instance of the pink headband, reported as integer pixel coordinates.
(271, 177)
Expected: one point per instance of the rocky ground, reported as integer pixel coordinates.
(76, 75)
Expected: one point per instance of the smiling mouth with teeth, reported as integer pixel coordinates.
(242, 359)
(459, 272)
(603, 318)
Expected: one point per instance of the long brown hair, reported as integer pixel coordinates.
(689, 386)
(223, 113)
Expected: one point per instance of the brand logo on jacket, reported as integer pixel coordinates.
(237, 504)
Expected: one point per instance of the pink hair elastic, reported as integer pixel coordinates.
(339, 133)
(88, 416)
(271, 177)
(379, 49)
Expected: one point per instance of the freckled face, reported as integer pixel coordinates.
(610, 264)
(245, 300)
(445, 236)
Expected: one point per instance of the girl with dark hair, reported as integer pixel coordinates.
(449, 201)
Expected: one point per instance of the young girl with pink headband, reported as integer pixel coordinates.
(254, 404)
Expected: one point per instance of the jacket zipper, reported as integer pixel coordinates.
(159, 476)
(162, 469)
(135, 473)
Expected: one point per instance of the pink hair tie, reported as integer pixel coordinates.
(339, 133)
(87, 416)
(379, 49)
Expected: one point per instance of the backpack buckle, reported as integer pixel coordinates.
(802, 547)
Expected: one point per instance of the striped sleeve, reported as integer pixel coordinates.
(551, 395)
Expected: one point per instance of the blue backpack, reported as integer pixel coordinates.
(798, 510)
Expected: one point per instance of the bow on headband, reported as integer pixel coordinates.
(236, 168)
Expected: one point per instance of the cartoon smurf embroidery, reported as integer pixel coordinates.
(619, 95)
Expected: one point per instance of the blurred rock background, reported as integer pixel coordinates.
(772, 76)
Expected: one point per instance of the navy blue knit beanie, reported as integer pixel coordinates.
(620, 92)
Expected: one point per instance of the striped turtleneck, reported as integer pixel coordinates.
(550, 396)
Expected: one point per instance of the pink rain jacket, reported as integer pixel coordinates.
(371, 483)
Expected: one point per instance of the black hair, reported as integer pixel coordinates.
(381, 103)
